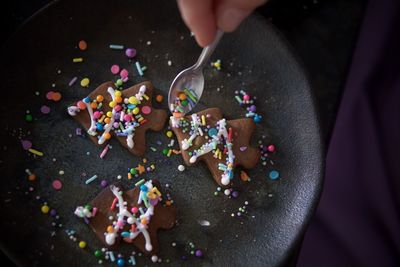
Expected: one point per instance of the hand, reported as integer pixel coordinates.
(203, 17)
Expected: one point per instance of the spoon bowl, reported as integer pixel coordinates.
(187, 87)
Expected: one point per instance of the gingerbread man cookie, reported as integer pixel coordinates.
(137, 216)
(126, 114)
(222, 144)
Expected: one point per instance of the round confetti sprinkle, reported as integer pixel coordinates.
(181, 168)
(45, 209)
(82, 45)
(146, 110)
(82, 244)
(130, 52)
(28, 117)
(104, 183)
(235, 194)
(45, 109)
(212, 132)
(169, 134)
(85, 82)
(273, 175)
(56, 96)
(49, 95)
(98, 253)
(159, 98)
(114, 69)
(199, 253)
(57, 185)
(124, 73)
(120, 262)
(26, 144)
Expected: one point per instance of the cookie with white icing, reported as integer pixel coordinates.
(136, 216)
(222, 144)
(127, 115)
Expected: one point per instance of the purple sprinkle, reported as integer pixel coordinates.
(130, 52)
(86, 220)
(184, 258)
(235, 194)
(45, 109)
(26, 144)
(104, 183)
(53, 213)
(243, 148)
(199, 253)
(252, 108)
(78, 131)
(73, 81)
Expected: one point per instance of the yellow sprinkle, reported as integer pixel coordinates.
(203, 120)
(34, 151)
(169, 153)
(85, 82)
(102, 118)
(77, 60)
(145, 97)
(216, 153)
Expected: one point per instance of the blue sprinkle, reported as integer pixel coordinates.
(257, 118)
(212, 132)
(273, 175)
(86, 100)
(131, 106)
(143, 188)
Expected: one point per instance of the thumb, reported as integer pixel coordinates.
(230, 13)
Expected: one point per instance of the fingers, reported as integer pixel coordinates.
(230, 13)
(199, 17)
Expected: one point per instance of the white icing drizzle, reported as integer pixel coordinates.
(186, 143)
(92, 129)
(130, 130)
(141, 93)
(124, 213)
(83, 212)
(211, 145)
(73, 110)
(108, 126)
(174, 121)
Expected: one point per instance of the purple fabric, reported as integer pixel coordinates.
(357, 222)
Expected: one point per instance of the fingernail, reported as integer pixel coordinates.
(230, 19)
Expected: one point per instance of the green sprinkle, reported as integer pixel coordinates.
(28, 117)
(133, 171)
(139, 183)
(153, 149)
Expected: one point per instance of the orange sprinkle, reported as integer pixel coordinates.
(110, 229)
(93, 105)
(56, 96)
(243, 176)
(168, 203)
(159, 98)
(99, 98)
(182, 96)
(143, 221)
(81, 105)
(82, 45)
(177, 114)
(32, 177)
(107, 136)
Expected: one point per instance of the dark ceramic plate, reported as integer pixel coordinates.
(255, 58)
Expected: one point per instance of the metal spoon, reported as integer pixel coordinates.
(191, 81)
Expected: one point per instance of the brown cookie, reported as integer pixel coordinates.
(152, 119)
(164, 217)
(241, 131)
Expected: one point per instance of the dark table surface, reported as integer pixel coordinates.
(322, 32)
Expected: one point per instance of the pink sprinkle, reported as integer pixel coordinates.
(49, 95)
(97, 115)
(243, 148)
(127, 118)
(57, 185)
(124, 73)
(118, 108)
(146, 110)
(271, 148)
(94, 212)
(73, 81)
(134, 210)
(26, 144)
(114, 69)
(104, 152)
(45, 109)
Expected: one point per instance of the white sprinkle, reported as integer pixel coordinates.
(181, 168)
(204, 222)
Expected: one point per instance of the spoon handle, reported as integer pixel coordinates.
(207, 51)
